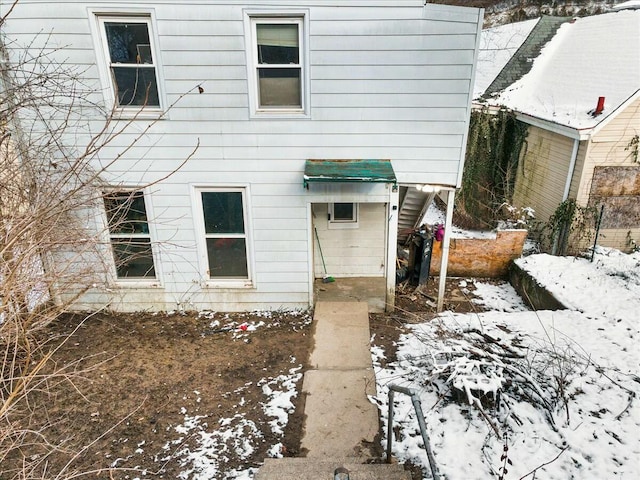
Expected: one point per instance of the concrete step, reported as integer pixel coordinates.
(299, 468)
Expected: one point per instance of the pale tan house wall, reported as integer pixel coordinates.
(607, 147)
(542, 172)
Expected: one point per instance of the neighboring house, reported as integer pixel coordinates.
(311, 116)
(576, 84)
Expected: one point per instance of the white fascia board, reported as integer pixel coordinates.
(622, 107)
(554, 127)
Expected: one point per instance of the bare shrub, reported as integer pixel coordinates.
(52, 238)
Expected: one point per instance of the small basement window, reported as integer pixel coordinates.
(343, 215)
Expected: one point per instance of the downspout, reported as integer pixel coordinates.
(572, 168)
(567, 188)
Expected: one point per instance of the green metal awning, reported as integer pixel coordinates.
(361, 171)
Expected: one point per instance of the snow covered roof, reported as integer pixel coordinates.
(587, 58)
(497, 47)
(629, 4)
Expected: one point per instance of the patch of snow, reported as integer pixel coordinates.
(435, 216)
(607, 287)
(585, 428)
(279, 391)
(204, 450)
(625, 5)
(501, 298)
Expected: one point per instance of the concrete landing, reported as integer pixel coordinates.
(339, 416)
(371, 290)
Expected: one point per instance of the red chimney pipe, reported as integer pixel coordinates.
(600, 106)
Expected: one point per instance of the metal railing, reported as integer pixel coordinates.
(423, 427)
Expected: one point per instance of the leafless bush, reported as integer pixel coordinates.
(51, 237)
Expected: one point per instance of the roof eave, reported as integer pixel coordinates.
(564, 130)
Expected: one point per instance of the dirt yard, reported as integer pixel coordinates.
(156, 389)
(160, 394)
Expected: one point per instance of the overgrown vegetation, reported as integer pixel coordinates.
(633, 147)
(571, 228)
(498, 12)
(493, 150)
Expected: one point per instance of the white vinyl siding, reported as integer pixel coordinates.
(384, 80)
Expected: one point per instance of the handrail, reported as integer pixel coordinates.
(415, 399)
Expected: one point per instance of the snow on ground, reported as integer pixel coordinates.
(236, 436)
(435, 216)
(566, 382)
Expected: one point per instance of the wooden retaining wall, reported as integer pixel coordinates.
(480, 257)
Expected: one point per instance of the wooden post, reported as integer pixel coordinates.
(445, 248)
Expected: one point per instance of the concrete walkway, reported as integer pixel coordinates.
(339, 417)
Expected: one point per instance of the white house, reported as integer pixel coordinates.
(314, 120)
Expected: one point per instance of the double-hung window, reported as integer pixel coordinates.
(129, 235)
(278, 70)
(129, 47)
(225, 231)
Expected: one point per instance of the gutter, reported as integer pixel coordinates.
(576, 134)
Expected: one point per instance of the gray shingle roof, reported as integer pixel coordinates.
(522, 60)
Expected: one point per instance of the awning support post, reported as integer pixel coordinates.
(445, 249)
(391, 243)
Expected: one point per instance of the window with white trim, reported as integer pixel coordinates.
(131, 59)
(343, 215)
(129, 235)
(278, 63)
(225, 231)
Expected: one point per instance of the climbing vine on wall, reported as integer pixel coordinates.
(570, 224)
(632, 147)
(493, 149)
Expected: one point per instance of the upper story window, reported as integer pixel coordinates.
(129, 47)
(278, 64)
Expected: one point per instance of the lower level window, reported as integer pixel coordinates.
(343, 215)
(344, 212)
(129, 235)
(225, 233)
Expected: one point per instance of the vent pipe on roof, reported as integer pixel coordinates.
(599, 108)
